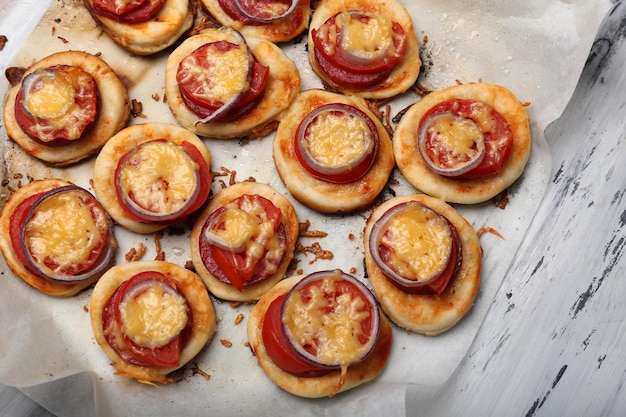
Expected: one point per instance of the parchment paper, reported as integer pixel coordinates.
(536, 48)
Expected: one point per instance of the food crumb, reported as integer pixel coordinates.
(134, 254)
(197, 371)
(3, 41)
(226, 342)
(239, 318)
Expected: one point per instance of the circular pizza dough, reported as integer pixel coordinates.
(320, 195)
(118, 146)
(13, 261)
(321, 386)
(282, 86)
(147, 38)
(464, 191)
(253, 292)
(404, 74)
(189, 285)
(278, 31)
(428, 314)
(113, 114)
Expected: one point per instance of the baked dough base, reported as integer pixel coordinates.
(404, 74)
(428, 314)
(279, 31)
(152, 36)
(322, 196)
(113, 114)
(313, 387)
(253, 292)
(282, 86)
(188, 283)
(120, 144)
(464, 191)
(12, 260)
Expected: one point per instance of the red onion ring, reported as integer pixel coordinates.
(367, 295)
(323, 171)
(98, 268)
(376, 234)
(141, 212)
(463, 166)
(239, 4)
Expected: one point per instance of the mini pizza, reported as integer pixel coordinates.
(463, 144)
(319, 334)
(275, 20)
(66, 107)
(244, 240)
(151, 175)
(56, 237)
(332, 153)
(143, 27)
(222, 85)
(366, 48)
(151, 318)
(423, 260)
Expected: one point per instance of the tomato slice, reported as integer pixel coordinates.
(328, 41)
(166, 356)
(193, 88)
(279, 348)
(22, 215)
(350, 168)
(199, 196)
(41, 112)
(128, 11)
(240, 268)
(498, 136)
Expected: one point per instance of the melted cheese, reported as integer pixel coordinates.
(421, 240)
(160, 176)
(154, 317)
(63, 230)
(336, 140)
(226, 76)
(331, 324)
(365, 36)
(245, 228)
(53, 99)
(454, 137)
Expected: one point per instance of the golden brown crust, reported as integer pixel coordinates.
(113, 114)
(404, 74)
(313, 387)
(317, 194)
(282, 86)
(191, 287)
(282, 30)
(12, 260)
(120, 144)
(251, 292)
(150, 37)
(465, 191)
(428, 314)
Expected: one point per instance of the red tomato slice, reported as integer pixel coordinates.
(328, 37)
(132, 11)
(498, 139)
(278, 347)
(236, 268)
(20, 216)
(79, 117)
(350, 174)
(192, 89)
(162, 357)
(204, 176)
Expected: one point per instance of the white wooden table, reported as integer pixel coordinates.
(553, 342)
